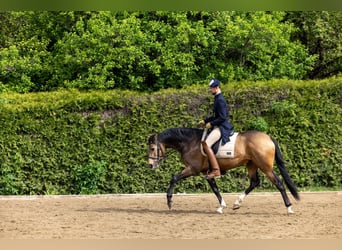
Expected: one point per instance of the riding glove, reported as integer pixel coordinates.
(201, 123)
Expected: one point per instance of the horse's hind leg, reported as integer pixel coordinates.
(277, 182)
(214, 187)
(254, 182)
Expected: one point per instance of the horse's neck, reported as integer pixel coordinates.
(170, 142)
(169, 139)
(173, 138)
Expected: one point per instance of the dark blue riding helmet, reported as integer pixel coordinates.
(214, 83)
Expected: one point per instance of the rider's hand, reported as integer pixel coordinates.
(201, 123)
(208, 125)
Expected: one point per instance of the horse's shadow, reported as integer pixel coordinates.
(145, 211)
(175, 211)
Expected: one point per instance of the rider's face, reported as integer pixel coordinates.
(213, 90)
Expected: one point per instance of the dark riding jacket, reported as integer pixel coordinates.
(220, 118)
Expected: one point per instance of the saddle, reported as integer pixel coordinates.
(222, 151)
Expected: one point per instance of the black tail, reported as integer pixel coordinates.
(283, 171)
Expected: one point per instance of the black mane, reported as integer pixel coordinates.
(176, 137)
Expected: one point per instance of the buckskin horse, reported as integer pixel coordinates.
(253, 149)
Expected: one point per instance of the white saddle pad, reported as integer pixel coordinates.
(228, 149)
(225, 151)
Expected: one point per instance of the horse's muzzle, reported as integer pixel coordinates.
(153, 166)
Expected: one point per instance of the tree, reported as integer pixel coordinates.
(320, 32)
(257, 46)
(150, 50)
(27, 42)
(160, 49)
(22, 55)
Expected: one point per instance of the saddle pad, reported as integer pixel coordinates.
(227, 150)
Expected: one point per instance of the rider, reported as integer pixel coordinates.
(219, 124)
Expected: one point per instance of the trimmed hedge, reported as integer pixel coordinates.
(72, 142)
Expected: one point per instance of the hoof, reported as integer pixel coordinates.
(289, 210)
(236, 206)
(220, 210)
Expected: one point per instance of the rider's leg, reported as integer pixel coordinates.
(213, 137)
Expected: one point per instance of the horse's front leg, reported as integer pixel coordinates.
(170, 189)
(184, 174)
(214, 187)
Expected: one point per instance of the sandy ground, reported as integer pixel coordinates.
(193, 216)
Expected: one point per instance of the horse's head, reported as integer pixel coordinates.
(156, 151)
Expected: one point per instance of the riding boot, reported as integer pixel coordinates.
(215, 169)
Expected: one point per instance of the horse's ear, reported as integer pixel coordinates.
(148, 138)
(151, 138)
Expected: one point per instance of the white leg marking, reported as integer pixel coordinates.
(242, 196)
(238, 201)
(289, 210)
(222, 205)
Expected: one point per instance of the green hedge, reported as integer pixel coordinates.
(72, 142)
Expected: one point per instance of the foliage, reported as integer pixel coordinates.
(320, 32)
(153, 50)
(258, 124)
(72, 142)
(88, 178)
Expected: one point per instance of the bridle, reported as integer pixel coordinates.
(161, 155)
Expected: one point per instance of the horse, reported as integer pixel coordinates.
(253, 149)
